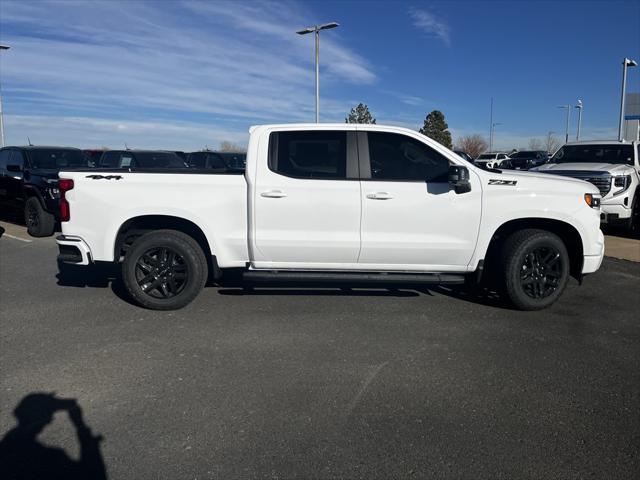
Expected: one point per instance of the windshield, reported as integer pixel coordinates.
(54, 159)
(487, 156)
(158, 160)
(618, 154)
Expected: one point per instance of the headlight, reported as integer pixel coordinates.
(592, 200)
(621, 182)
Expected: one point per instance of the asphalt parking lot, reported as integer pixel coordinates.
(321, 383)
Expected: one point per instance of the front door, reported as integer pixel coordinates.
(411, 218)
(306, 205)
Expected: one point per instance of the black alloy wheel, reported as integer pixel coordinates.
(161, 272)
(32, 217)
(541, 272)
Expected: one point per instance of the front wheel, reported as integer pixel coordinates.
(535, 268)
(164, 270)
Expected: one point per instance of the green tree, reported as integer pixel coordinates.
(436, 127)
(360, 114)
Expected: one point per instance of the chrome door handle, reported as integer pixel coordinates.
(380, 196)
(273, 194)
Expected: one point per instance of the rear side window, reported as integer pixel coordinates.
(401, 158)
(315, 154)
(110, 160)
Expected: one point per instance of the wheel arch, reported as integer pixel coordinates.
(567, 233)
(134, 227)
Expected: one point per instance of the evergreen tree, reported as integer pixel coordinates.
(360, 114)
(436, 127)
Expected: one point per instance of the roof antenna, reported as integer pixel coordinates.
(29, 142)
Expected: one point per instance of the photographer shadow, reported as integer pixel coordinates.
(22, 456)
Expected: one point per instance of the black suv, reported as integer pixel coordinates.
(525, 160)
(131, 159)
(222, 161)
(29, 182)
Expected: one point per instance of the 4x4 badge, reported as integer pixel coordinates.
(511, 183)
(105, 177)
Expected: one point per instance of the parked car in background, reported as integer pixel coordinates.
(29, 183)
(491, 160)
(312, 208)
(217, 160)
(525, 160)
(464, 155)
(612, 166)
(141, 159)
(93, 155)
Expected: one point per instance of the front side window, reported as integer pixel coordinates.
(309, 154)
(4, 158)
(398, 157)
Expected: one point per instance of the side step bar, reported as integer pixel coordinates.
(316, 278)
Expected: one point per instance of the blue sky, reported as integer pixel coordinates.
(173, 74)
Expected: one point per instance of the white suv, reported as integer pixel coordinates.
(490, 160)
(613, 167)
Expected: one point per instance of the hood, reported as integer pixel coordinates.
(613, 168)
(536, 182)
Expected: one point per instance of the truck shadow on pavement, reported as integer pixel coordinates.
(97, 275)
(23, 456)
(107, 275)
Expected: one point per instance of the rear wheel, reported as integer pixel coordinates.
(535, 268)
(164, 270)
(39, 222)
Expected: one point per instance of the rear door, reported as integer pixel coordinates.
(306, 205)
(412, 219)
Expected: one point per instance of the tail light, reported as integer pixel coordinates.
(64, 185)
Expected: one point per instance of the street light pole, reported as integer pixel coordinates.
(566, 131)
(491, 127)
(316, 29)
(627, 62)
(493, 130)
(2, 47)
(579, 107)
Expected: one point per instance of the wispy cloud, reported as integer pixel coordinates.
(230, 64)
(430, 24)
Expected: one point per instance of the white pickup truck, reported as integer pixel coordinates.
(323, 203)
(611, 165)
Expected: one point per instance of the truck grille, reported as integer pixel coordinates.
(600, 180)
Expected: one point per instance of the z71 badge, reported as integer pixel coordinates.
(510, 183)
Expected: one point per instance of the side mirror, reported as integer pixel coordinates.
(459, 179)
(14, 168)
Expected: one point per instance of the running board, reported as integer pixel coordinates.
(315, 278)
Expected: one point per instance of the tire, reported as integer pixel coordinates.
(39, 222)
(164, 270)
(535, 268)
(633, 226)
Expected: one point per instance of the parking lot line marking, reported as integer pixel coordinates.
(17, 238)
(367, 381)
